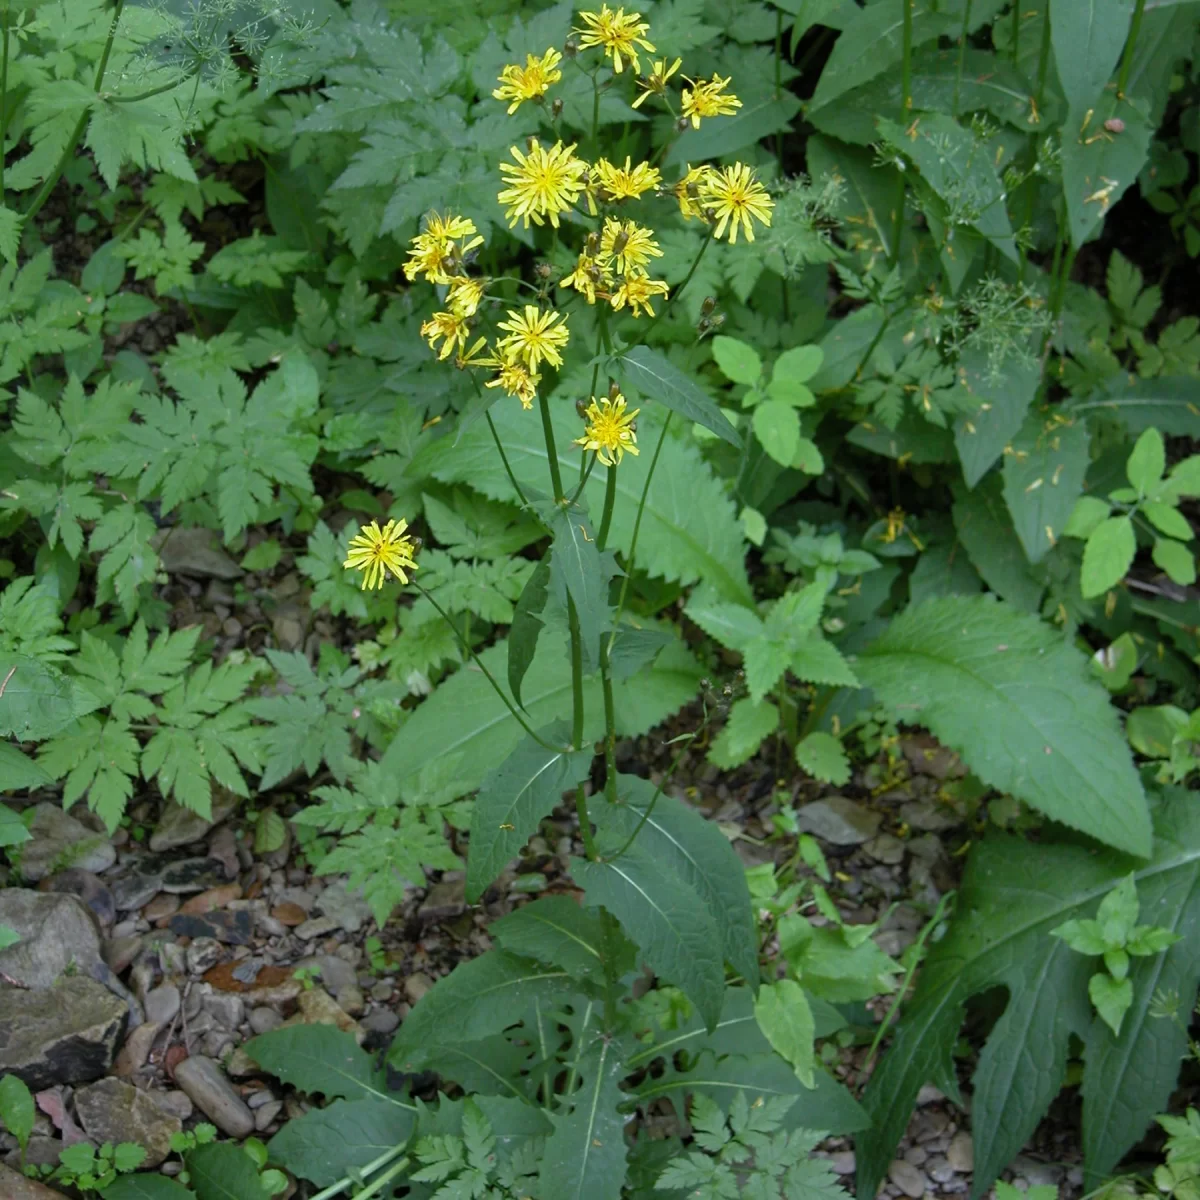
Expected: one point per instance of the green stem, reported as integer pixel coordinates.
(51, 181)
(962, 53)
(658, 792)
(1043, 61)
(551, 453)
(610, 498)
(150, 92)
(336, 1189)
(905, 107)
(379, 1184)
(585, 825)
(1135, 28)
(585, 470)
(866, 358)
(479, 663)
(1015, 35)
(503, 457)
(666, 308)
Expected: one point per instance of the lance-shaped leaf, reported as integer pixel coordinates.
(556, 930)
(515, 797)
(1013, 895)
(327, 1143)
(584, 1158)
(1003, 402)
(581, 571)
(526, 626)
(1018, 703)
(667, 919)
(1087, 36)
(657, 378)
(319, 1058)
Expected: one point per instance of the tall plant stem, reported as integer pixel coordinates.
(962, 53)
(905, 108)
(610, 716)
(666, 308)
(1135, 27)
(51, 181)
(551, 452)
(342, 1185)
(503, 457)
(1015, 35)
(479, 663)
(1043, 61)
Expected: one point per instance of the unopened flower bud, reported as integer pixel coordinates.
(581, 408)
(703, 326)
(592, 245)
(570, 47)
(542, 270)
(417, 543)
(613, 392)
(710, 302)
(556, 109)
(681, 125)
(620, 242)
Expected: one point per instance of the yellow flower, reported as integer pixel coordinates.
(376, 552)
(589, 274)
(446, 325)
(627, 243)
(533, 336)
(620, 35)
(610, 430)
(542, 183)
(687, 191)
(475, 356)
(637, 289)
(656, 82)
(517, 381)
(434, 253)
(464, 295)
(529, 82)
(624, 183)
(705, 100)
(734, 196)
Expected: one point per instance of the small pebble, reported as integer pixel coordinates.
(265, 1116)
(316, 927)
(384, 1020)
(210, 1091)
(415, 986)
(908, 1179)
(204, 952)
(165, 904)
(842, 1163)
(960, 1154)
(263, 1020)
(162, 1003)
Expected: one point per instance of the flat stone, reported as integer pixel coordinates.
(203, 954)
(335, 973)
(212, 1093)
(89, 888)
(195, 551)
(446, 899)
(65, 1034)
(839, 821)
(174, 1103)
(348, 909)
(908, 1179)
(886, 849)
(383, 1020)
(929, 817)
(60, 841)
(416, 985)
(232, 928)
(114, 1111)
(119, 952)
(316, 927)
(15, 1186)
(263, 1019)
(165, 904)
(56, 931)
(162, 1003)
(350, 999)
(842, 1162)
(139, 885)
(179, 826)
(317, 1007)
(960, 1154)
(212, 900)
(136, 1051)
(288, 913)
(264, 1116)
(192, 875)
(228, 1010)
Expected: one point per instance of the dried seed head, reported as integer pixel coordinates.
(542, 270)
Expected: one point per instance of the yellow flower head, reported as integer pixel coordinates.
(449, 326)
(435, 254)
(517, 381)
(529, 82)
(734, 195)
(590, 273)
(620, 35)
(706, 100)
(610, 430)
(627, 243)
(533, 336)
(688, 191)
(637, 290)
(475, 357)
(627, 182)
(376, 552)
(542, 183)
(655, 84)
(464, 295)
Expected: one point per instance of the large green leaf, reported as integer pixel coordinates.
(579, 570)
(1013, 894)
(320, 1058)
(584, 1158)
(555, 930)
(701, 855)
(144, 1186)
(657, 378)
(37, 700)
(477, 999)
(223, 1171)
(1087, 36)
(1043, 477)
(1018, 703)
(515, 797)
(1005, 396)
(18, 770)
(667, 919)
(1170, 405)
(465, 715)
(984, 527)
(689, 530)
(327, 1143)
(755, 120)
(526, 626)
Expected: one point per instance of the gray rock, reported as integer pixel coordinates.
(908, 1179)
(112, 1111)
(383, 1020)
(191, 550)
(263, 1020)
(174, 1104)
(266, 1114)
(162, 1003)
(416, 985)
(202, 954)
(214, 1095)
(350, 999)
(960, 1154)
(226, 1009)
(91, 889)
(336, 973)
(886, 849)
(65, 1034)
(929, 817)
(15, 1186)
(138, 886)
(446, 899)
(60, 841)
(839, 821)
(842, 1162)
(192, 875)
(348, 909)
(56, 932)
(179, 826)
(119, 952)
(316, 927)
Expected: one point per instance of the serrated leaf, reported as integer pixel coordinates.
(677, 936)
(984, 527)
(1018, 704)
(584, 1158)
(1043, 477)
(1004, 400)
(222, 1171)
(657, 378)
(822, 756)
(36, 699)
(147, 1187)
(1107, 556)
(557, 931)
(320, 1058)
(579, 570)
(1169, 404)
(16, 1108)
(748, 725)
(1147, 461)
(1013, 894)
(1176, 559)
(782, 1012)
(515, 797)
(326, 1144)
